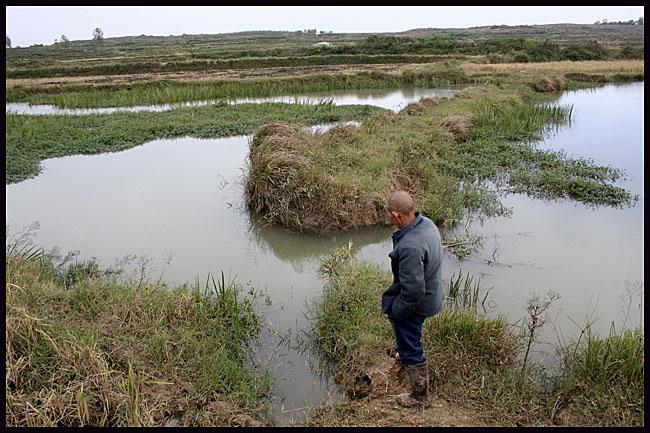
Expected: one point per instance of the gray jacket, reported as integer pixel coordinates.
(416, 262)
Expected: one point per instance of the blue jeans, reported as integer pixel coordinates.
(408, 335)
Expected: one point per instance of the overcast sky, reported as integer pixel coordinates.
(28, 25)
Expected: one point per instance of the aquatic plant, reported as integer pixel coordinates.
(166, 91)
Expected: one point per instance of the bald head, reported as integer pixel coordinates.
(400, 202)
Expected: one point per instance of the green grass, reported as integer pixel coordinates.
(455, 156)
(92, 351)
(474, 360)
(602, 381)
(162, 92)
(30, 139)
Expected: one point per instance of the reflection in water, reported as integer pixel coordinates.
(386, 98)
(300, 250)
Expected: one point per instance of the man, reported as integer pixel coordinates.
(416, 292)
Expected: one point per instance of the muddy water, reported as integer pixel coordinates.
(184, 197)
(390, 99)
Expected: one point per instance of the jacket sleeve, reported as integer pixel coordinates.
(388, 298)
(411, 278)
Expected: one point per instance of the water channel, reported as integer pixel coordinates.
(390, 99)
(184, 198)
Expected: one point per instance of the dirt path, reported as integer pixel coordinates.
(379, 408)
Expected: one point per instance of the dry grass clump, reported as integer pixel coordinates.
(341, 134)
(587, 66)
(458, 125)
(548, 84)
(286, 187)
(53, 380)
(418, 108)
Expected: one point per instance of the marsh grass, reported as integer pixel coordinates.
(475, 360)
(167, 92)
(81, 350)
(455, 156)
(602, 381)
(30, 139)
(464, 292)
(154, 90)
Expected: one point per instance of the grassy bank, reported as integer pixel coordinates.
(76, 95)
(84, 348)
(475, 362)
(455, 156)
(30, 139)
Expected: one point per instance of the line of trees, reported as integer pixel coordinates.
(98, 36)
(638, 22)
(497, 49)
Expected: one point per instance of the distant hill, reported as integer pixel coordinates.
(615, 34)
(253, 49)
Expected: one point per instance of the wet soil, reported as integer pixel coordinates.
(377, 405)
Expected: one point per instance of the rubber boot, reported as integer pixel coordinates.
(419, 378)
